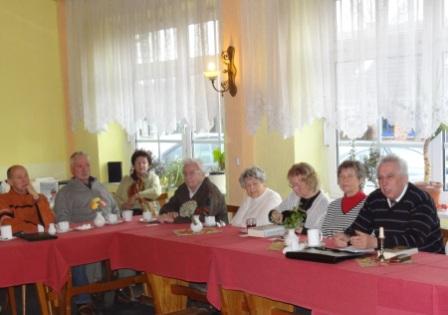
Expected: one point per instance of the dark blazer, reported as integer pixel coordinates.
(207, 196)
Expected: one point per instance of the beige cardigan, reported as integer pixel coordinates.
(152, 189)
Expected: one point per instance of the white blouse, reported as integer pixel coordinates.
(257, 208)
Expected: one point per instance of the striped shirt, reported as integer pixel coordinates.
(336, 220)
(411, 222)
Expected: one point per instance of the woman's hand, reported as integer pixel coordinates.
(276, 217)
(167, 217)
(341, 239)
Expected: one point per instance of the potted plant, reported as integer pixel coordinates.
(291, 223)
(433, 188)
(218, 176)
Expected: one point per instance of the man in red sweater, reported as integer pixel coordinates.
(22, 207)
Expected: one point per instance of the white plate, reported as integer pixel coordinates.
(7, 239)
(210, 225)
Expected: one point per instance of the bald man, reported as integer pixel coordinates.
(22, 207)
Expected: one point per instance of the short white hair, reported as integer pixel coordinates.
(76, 155)
(198, 163)
(392, 158)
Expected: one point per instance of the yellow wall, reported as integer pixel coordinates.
(32, 115)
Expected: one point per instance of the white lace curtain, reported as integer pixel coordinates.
(348, 61)
(131, 60)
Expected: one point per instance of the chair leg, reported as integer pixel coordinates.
(12, 300)
(43, 299)
(23, 299)
(68, 295)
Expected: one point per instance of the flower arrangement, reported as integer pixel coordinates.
(187, 209)
(97, 203)
(294, 219)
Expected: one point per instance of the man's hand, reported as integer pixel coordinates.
(32, 192)
(341, 239)
(364, 240)
(167, 217)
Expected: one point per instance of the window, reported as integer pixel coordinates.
(381, 140)
(184, 143)
(383, 66)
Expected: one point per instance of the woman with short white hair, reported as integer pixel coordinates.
(259, 201)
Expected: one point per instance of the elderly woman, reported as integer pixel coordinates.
(259, 201)
(142, 186)
(305, 195)
(343, 211)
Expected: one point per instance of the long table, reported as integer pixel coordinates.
(228, 260)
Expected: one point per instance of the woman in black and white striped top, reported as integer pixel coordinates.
(343, 211)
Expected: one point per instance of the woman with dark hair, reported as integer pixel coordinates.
(141, 187)
(343, 211)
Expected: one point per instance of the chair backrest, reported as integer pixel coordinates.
(162, 199)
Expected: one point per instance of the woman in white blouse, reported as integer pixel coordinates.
(259, 201)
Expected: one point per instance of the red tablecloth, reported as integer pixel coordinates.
(234, 262)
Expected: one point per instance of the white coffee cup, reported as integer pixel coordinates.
(147, 215)
(314, 237)
(6, 232)
(51, 229)
(127, 215)
(63, 226)
(112, 218)
(210, 220)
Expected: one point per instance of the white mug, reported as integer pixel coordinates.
(127, 215)
(210, 220)
(314, 237)
(63, 226)
(112, 218)
(147, 216)
(6, 232)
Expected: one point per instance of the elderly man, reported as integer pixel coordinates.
(22, 207)
(406, 213)
(196, 192)
(74, 204)
(74, 201)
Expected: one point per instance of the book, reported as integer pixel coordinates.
(266, 230)
(391, 253)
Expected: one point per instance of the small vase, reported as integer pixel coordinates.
(292, 242)
(196, 224)
(99, 220)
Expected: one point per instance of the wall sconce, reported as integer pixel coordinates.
(212, 74)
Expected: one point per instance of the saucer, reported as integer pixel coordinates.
(210, 225)
(60, 231)
(113, 223)
(7, 239)
(84, 227)
(141, 220)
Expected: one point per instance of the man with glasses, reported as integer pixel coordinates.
(197, 195)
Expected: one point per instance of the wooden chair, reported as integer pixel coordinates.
(233, 302)
(171, 295)
(263, 306)
(231, 211)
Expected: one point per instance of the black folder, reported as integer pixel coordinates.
(38, 236)
(324, 255)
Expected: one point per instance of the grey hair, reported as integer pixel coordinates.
(198, 163)
(392, 158)
(76, 155)
(252, 172)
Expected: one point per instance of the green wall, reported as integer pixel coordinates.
(32, 119)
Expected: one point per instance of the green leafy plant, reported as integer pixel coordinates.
(442, 127)
(171, 176)
(294, 219)
(220, 158)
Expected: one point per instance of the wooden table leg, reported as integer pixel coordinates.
(233, 302)
(263, 306)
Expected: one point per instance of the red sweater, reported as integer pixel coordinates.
(24, 213)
